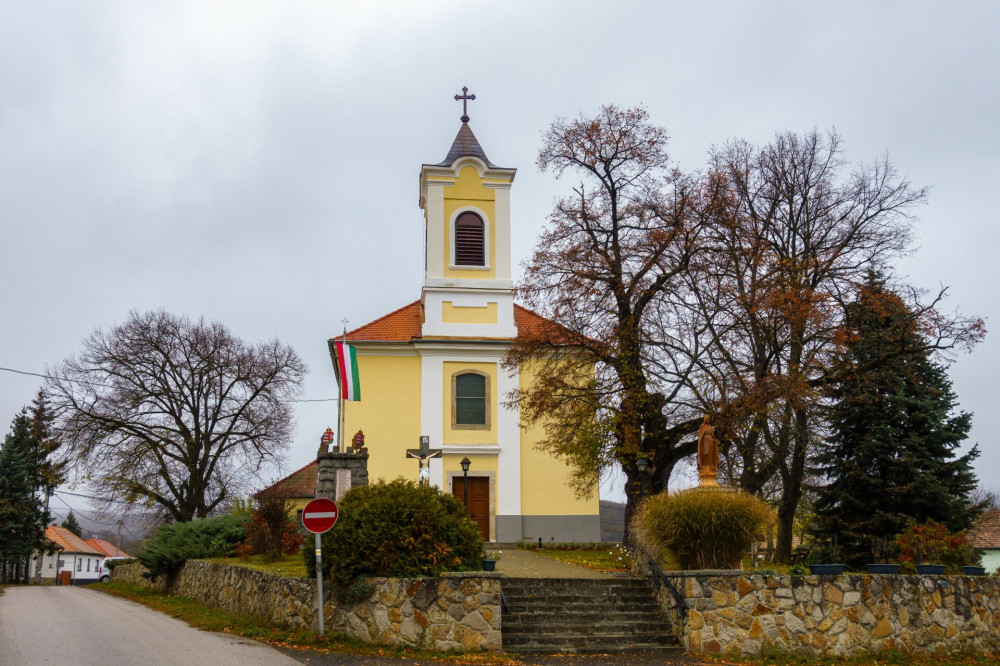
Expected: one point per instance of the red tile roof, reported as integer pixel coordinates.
(69, 542)
(400, 325)
(301, 483)
(107, 547)
(986, 532)
(403, 325)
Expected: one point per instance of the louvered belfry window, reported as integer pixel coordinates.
(470, 245)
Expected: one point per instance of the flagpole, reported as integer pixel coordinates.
(343, 403)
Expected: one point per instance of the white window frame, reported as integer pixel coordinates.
(486, 239)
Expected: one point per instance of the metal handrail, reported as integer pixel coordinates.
(681, 603)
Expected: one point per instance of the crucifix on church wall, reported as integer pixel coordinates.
(423, 456)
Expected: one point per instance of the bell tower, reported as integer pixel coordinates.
(467, 289)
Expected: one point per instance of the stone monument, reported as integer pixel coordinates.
(336, 472)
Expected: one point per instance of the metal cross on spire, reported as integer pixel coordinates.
(466, 98)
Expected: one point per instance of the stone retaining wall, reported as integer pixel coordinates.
(835, 615)
(455, 611)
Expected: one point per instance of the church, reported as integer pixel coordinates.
(433, 368)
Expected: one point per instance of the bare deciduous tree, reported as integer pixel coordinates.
(180, 414)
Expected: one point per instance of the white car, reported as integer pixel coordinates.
(103, 572)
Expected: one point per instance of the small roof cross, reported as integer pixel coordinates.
(466, 98)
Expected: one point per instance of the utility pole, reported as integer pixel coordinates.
(38, 570)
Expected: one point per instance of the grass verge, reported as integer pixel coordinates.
(206, 617)
(290, 566)
(890, 658)
(608, 560)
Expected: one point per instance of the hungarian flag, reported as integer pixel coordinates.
(347, 371)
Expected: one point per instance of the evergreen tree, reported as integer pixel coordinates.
(73, 525)
(51, 472)
(890, 457)
(22, 517)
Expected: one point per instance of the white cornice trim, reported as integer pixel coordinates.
(471, 449)
(458, 284)
(486, 349)
(384, 348)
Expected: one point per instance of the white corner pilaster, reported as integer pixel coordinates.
(509, 457)
(431, 409)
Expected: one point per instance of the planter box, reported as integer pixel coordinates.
(489, 565)
(826, 569)
(883, 568)
(974, 571)
(933, 569)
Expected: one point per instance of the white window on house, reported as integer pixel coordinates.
(88, 565)
(79, 565)
(62, 564)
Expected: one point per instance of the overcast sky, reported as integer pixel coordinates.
(257, 163)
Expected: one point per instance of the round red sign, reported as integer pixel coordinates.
(319, 515)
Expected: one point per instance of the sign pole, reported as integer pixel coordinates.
(318, 516)
(319, 581)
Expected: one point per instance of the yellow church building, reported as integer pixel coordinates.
(433, 367)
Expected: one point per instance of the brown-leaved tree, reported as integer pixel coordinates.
(795, 233)
(603, 271)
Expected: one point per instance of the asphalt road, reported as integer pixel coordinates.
(79, 627)
(76, 626)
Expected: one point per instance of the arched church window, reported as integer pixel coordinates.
(470, 400)
(470, 240)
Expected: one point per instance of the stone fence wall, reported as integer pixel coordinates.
(455, 611)
(834, 615)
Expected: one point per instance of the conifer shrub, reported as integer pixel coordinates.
(397, 529)
(172, 544)
(703, 529)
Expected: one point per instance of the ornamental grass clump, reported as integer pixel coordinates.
(704, 529)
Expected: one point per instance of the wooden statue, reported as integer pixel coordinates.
(708, 455)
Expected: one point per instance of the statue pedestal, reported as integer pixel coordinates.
(343, 466)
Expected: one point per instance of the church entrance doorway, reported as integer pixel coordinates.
(479, 501)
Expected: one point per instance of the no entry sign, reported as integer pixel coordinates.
(319, 515)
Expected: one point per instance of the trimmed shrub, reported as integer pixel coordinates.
(397, 529)
(172, 544)
(704, 529)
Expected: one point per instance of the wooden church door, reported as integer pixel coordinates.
(479, 501)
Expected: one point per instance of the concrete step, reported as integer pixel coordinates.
(529, 616)
(622, 642)
(555, 603)
(568, 629)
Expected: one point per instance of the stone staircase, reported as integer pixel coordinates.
(574, 615)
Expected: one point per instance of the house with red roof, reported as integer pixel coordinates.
(432, 370)
(106, 547)
(985, 537)
(68, 559)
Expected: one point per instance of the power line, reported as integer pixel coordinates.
(77, 381)
(81, 513)
(121, 523)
